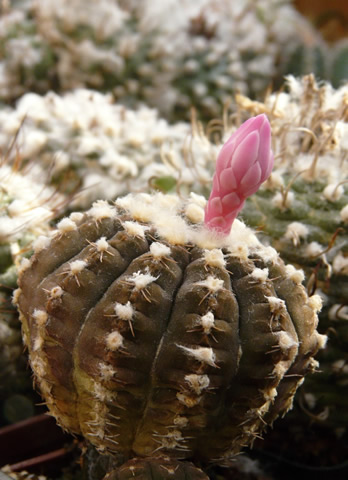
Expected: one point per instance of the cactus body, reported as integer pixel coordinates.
(156, 469)
(153, 336)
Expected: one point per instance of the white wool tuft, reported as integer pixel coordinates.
(165, 214)
(277, 305)
(187, 400)
(38, 342)
(213, 284)
(296, 231)
(77, 266)
(344, 214)
(333, 192)
(40, 316)
(15, 296)
(214, 258)
(124, 312)
(76, 217)
(315, 302)
(56, 292)
(297, 276)
(314, 249)
(340, 264)
(260, 275)
(141, 280)
(201, 354)
(194, 213)
(175, 231)
(102, 244)
(207, 321)
(198, 200)
(40, 243)
(114, 341)
(135, 229)
(66, 225)
(102, 209)
(286, 341)
(321, 339)
(159, 250)
(106, 371)
(24, 265)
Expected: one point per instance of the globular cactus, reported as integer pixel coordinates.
(154, 333)
(198, 55)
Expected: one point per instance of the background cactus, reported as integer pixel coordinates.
(167, 326)
(322, 60)
(302, 211)
(27, 205)
(108, 151)
(198, 55)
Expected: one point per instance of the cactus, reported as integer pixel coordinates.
(324, 61)
(155, 334)
(198, 55)
(157, 469)
(96, 379)
(302, 212)
(26, 206)
(106, 152)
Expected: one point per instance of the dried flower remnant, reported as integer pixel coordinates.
(245, 161)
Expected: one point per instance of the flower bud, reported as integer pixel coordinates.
(245, 161)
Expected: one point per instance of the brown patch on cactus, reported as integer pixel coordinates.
(174, 344)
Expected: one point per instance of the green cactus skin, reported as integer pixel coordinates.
(152, 336)
(339, 64)
(325, 62)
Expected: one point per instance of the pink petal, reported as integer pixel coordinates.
(245, 155)
(228, 181)
(216, 206)
(231, 201)
(216, 184)
(248, 126)
(268, 170)
(251, 181)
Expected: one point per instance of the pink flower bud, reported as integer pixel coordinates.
(245, 161)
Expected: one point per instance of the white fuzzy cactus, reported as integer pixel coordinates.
(169, 54)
